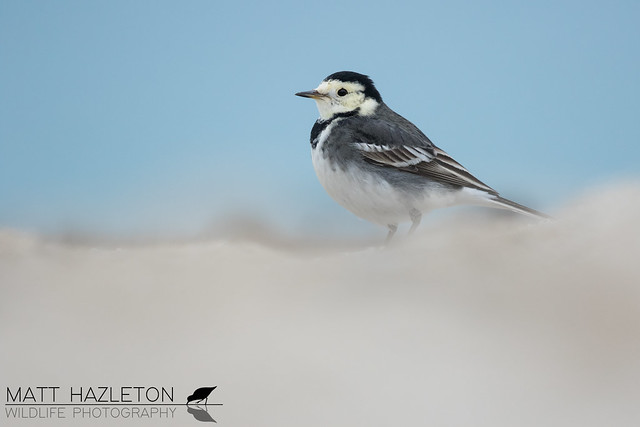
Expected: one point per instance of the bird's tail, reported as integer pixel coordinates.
(503, 203)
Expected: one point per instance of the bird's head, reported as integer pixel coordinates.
(344, 92)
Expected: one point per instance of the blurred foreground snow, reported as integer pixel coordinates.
(472, 323)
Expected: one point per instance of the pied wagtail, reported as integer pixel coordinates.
(379, 165)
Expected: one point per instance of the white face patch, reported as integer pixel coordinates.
(337, 101)
(368, 107)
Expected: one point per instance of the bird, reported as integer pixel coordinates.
(380, 166)
(201, 394)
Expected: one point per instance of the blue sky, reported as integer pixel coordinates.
(161, 118)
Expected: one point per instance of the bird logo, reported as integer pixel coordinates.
(200, 394)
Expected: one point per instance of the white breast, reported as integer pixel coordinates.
(366, 195)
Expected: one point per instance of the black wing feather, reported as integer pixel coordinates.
(404, 147)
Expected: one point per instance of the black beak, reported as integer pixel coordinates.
(311, 94)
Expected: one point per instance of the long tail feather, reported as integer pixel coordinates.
(503, 203)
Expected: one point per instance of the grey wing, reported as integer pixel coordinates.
(406, 148)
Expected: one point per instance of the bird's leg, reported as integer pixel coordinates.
(392, 230)
(206, 400)
(416, 217)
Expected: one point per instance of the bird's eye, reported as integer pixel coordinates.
(342, 92)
